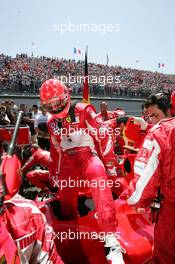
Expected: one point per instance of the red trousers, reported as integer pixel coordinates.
(164, 236)
(80, 165)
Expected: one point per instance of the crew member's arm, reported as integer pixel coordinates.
(29, 163)
(34, 237)
(55, 153)
(144, 186)
(103, 135)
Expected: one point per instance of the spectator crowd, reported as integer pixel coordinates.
(35, 118)
(24, 75)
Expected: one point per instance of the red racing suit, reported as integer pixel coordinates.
(79, 141)
(27, 226)
(106, 115)
(8, 248)
(39, 178)
(111, 114)
(39, 156)
(154, 168)
(118, 141)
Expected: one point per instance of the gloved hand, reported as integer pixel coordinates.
(115, 251)
(142, 122)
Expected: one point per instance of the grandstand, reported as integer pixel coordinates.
(24, 75)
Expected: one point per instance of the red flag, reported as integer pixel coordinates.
(86, 98)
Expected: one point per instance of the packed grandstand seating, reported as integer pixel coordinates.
(24, 75)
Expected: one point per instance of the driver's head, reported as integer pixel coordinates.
(55, 98)
(158, 107)
(103, 107)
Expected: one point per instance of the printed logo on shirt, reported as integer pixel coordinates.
(54, 128)
(144, 155)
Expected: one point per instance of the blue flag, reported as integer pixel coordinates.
(75, 50)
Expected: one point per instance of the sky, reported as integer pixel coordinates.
(134, 33)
